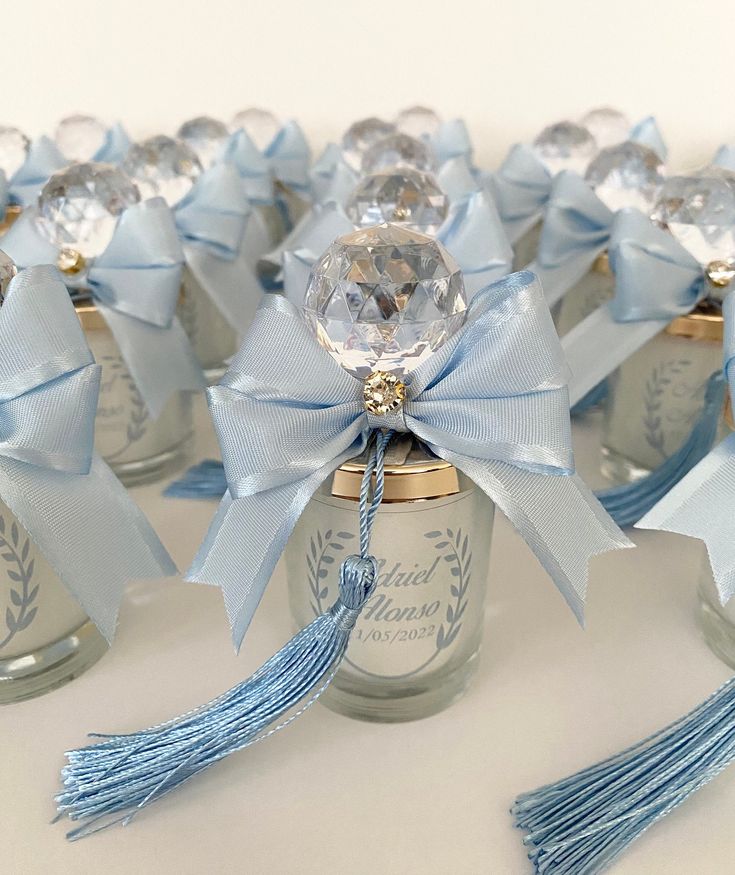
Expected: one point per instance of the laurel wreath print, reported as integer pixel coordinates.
(19, 570)
(138, 422)
(661, 377)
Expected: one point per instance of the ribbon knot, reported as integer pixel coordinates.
(357, 579)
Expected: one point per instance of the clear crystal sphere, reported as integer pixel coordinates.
(360, 136)
(699, 210)
(397, 150)
(204, 136)
(162, 166)
(79, 206)
(418, 121)
(14, 146)
(627, 175)
(259, 124)
(565, 146)
(79, 137)
(401, 195)
(384, 298)
(607, 125)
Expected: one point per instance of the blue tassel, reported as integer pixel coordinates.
(111, 781)
(205, 480)
(595, 396)
(579, 825)
(628, 503)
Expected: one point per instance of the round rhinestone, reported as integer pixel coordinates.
(607, 125)
(383, 393)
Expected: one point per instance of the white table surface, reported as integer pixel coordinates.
(334, 795)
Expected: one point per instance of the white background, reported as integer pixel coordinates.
(508, 68)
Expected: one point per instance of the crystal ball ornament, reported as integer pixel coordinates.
(259, 124)
(627, 175)
(607, 125)
(205, 137)
(384, 299)
(78, 210)
(360, 136)
(406, 197)
(699, 210)
(565, 146)
(397, 150)
(418, 121)
(14, 147)
(80, 137)
(164, 167)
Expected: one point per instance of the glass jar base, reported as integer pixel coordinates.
(619, 469)
(719, 632)
(52, 666)
(396, 704)
(155, 468)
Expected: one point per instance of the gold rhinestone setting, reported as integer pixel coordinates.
(70, 261)
(720, 273)
(383, 393)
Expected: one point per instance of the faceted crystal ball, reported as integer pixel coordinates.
(384, 299)
(607, 125)
(79, 207)
(418, 121)
(699, 210)
(162, 166)
(14, 146)
(397, 150)
(627, 175)
(204, 136)
(565, 146)
(401, 195)
(259, 124)
(360, 136)
(79, 137)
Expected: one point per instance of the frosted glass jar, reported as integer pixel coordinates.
(526, 247)
(716, 621)
(416, 644)
(212, 338)
(654, 398)
(136, 447)
(46, 639)
(595, 288)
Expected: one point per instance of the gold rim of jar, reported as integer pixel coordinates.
(705, 323)
(12, 211)
(434, 478)
(89, 315)
(602, 264)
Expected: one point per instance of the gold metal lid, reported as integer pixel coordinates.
(412, 473)
(602, 264)
(11, 214)
(89, 315)
(704, 323)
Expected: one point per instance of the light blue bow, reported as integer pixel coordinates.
(212, 221)
(647, 133)
(252, 166)
(472, 233)
(451, 140)
(576, 230)
(43, 159)
(725, 157)
(656, 279)
(702, 504)
(492, 401)
(135, 284)
(521, 187)
(72, 505)
(114, 147)
(289, 157)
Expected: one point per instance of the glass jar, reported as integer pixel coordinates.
(136, 447)
(656, 395)
(213, 339)
(526, 247)
(46, 639)
(716, 621)
(595, 288)
(415, 646)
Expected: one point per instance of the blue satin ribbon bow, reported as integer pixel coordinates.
(213, 221)
(289, 157)
(135, 284)
(43, 159)
(114, 147)
(492, 401)
(72, 505)
(702, 504)
(656, 280)
(252, 166)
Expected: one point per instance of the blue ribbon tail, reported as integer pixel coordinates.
(582, 823)
(205, 480)
(628, 503)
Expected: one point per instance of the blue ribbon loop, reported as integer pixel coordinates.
(252, 166)
(115, 145)
(521, 187)
(492, 401)
(43, 159)
(289, 157)
(135, 284)
(74, 508)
